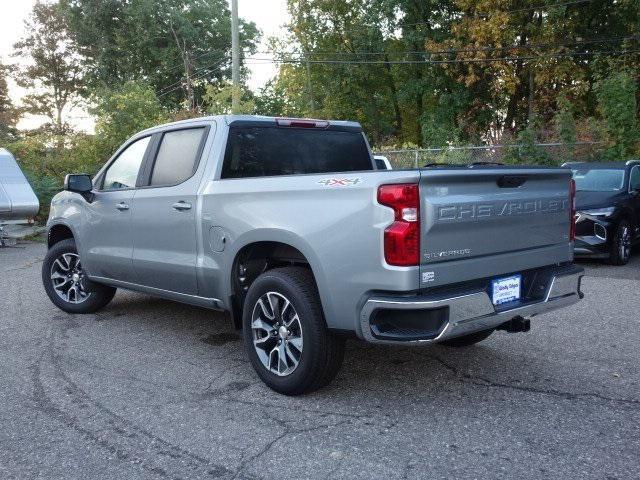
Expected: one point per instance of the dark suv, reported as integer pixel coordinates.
(608, 209)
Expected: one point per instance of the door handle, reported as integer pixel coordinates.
(122, 206)
(181, 205)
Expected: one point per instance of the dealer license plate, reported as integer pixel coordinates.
(505, 290)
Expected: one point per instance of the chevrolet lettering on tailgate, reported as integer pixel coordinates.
(471, 211)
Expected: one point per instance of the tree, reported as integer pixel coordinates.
(516, 57)
(176, 46)
(9, 114)
(272, 100)
(363, 60)
(326, 37)
(218, 99)
(617, 102)
(124, 111)
(566, 125)
(54, 69)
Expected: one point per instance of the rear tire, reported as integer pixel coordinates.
(285, 334)
(64, 281)
(621, 245)
(467, 340)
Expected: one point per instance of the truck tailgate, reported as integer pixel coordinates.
(483, 222)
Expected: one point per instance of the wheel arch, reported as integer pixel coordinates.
(628, 215)
(58, 232)
(264, 252)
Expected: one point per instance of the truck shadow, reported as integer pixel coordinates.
(191, 334)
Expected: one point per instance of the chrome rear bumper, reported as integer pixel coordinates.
(473, 311)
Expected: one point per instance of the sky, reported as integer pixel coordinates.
(268, 15)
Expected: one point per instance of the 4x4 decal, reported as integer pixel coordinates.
(340, 182)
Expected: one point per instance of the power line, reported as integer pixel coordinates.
(179, 82)
(413, 62)
(203, 72)
(197, 57)
(537, 7)
(195, 77)
(466, 50)
(506, 12)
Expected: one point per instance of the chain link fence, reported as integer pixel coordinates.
(544, 153)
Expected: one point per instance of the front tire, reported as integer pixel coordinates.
(467, 340)
(285, 334)
(65, 283)
(621, 245)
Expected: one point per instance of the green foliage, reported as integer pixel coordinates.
(45, 188)
(157, 41)
(272, 100)
(565, 122)
(527, 150)
(124, 111)
(483, 85)
(617, 103)
(565, 125)
(218, 100)
(372, 93)
(439, 126)
(42, 156)
(450, 155)
(9, 114)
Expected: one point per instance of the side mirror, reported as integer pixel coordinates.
(78, 183)
(81, 184)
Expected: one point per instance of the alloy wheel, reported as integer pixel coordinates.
(277, 333)
(67, 278)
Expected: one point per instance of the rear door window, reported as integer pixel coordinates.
(269, 151)
(177, 158)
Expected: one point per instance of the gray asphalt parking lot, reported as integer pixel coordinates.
(152, 389)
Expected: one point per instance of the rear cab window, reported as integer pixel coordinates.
(177, 157)
(263, 151)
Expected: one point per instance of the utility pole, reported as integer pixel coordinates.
(235, 58)
(312, 103)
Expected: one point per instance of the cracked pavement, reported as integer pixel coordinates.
(152, 389)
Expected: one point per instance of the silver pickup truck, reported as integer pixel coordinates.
(288, 225)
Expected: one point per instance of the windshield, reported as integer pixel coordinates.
(598, 180)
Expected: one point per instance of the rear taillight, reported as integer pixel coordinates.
(572, 210)
(402, 237)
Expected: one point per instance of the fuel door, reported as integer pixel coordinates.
(218, 238)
